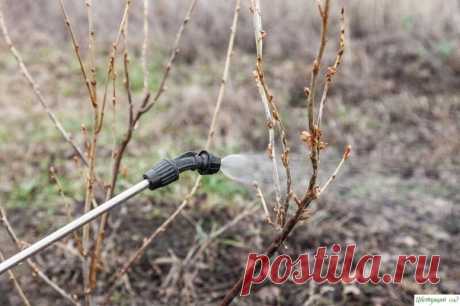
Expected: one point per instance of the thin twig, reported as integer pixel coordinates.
(271, 148)
(223, 81)
(92, 47)
(16, 284)
(145, 107)
(330, 73)
(275, 114)
(54, 177)
(111, 63)
(345, 156)
(76, 47)
(250, 210)
(145, 46)
(267, 102)
(333, 69)
(127, 81)
(36, 89)
(260, 195)
(33, 266)
(89, 196)
(311, 94)
(113, 130)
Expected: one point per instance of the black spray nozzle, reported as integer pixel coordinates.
(167, 171)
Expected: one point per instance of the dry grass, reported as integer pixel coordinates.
(410, 18)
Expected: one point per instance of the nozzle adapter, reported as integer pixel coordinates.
(167, 171)
(210, 163)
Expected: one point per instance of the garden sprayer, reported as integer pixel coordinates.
(163, 173)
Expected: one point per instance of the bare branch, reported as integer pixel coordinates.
(345, 156)
(257, 23)
(92, 47)
(275, 114)
(223, 82)
(76, 46)
(127, 81)
(271, 149)
(175, 50)
(250, 210)
(266, 100)
(311, 93)
(333, 69)
(260, 195)
(111, 63)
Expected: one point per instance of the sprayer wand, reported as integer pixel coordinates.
(163, 173)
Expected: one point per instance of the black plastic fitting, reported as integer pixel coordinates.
(167, 171)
